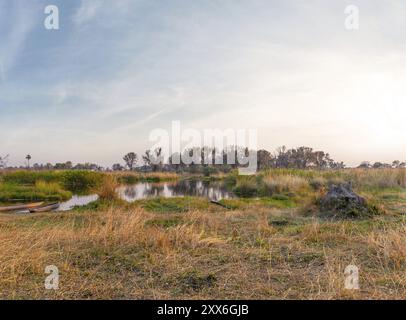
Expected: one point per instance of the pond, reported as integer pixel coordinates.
(144, 190)
(211, 190)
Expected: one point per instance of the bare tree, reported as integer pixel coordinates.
(153, 159)
(130, 160)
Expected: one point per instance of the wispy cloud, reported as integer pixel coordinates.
(87, 11)
(17, 24)
(118, 69)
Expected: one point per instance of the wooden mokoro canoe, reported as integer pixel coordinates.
(46, 208)
(21, 207)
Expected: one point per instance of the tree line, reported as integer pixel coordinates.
(205, 159)
(381, 165)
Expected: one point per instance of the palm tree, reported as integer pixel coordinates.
(28, 157)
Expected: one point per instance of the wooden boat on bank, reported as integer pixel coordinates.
(19, 207)
(46, 208)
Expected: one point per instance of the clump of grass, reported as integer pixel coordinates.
(284, 183)
(246, 188)
(81, 180)
(48, 187)
(107, 190)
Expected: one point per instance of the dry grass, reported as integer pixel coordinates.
(242, 254)
(284, 183)
(378, 178)
(390, 247)
(107, 190)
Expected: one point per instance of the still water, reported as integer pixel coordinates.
(77, 201)
(210, 190)
(144, 190)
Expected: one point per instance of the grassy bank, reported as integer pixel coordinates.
(40, 191)
(24, 185)
(77, 180)
(134, 177)
(27, 185)
(288, 181)
(142, 252)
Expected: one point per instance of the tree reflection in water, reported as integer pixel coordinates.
(211, 190)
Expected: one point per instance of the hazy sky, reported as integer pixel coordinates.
(115, 70)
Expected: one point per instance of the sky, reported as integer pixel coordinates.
(116, 70)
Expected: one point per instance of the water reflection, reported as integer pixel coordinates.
(77, 201)
(211, 190)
